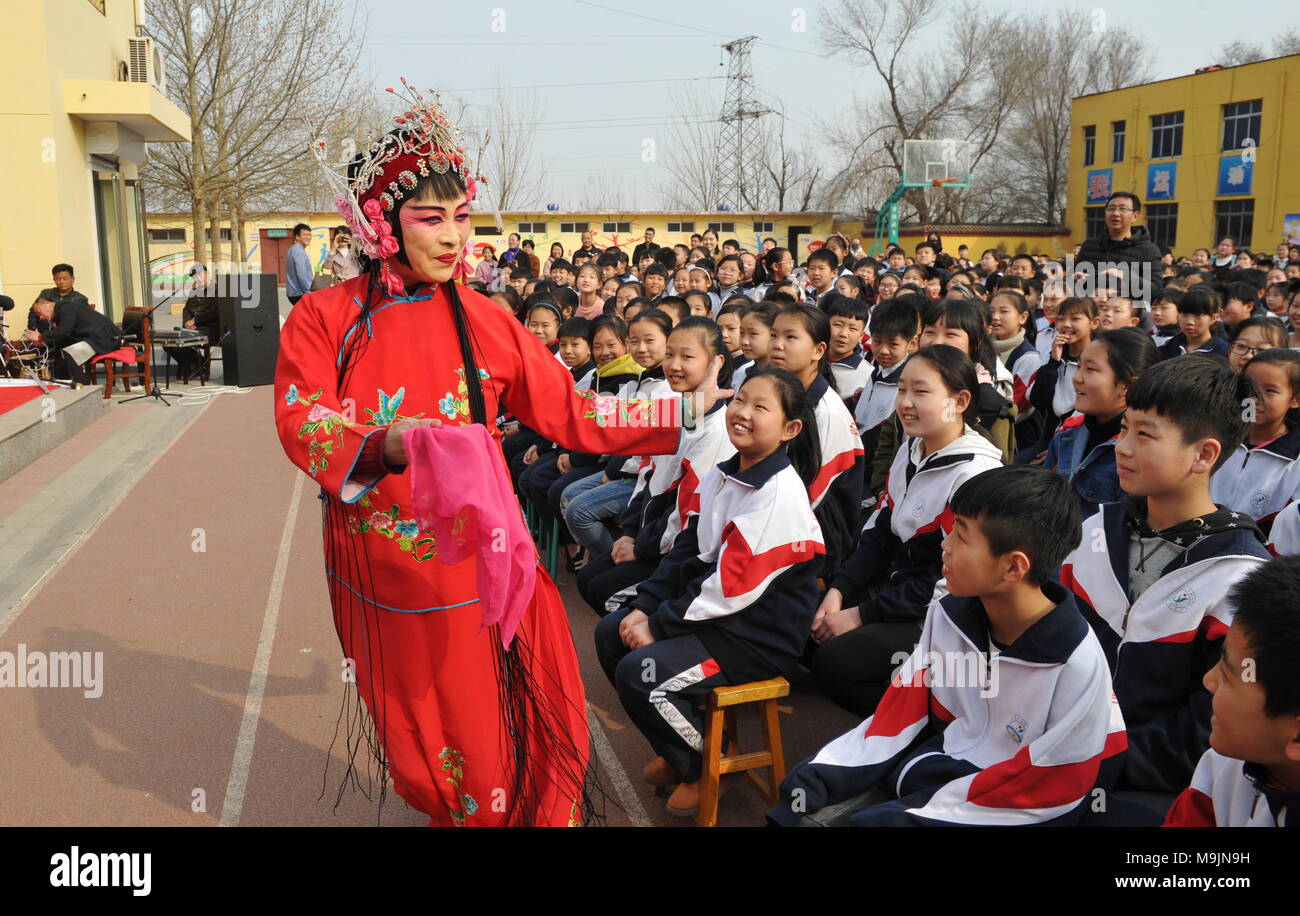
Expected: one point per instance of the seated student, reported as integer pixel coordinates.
(1004, 713)
(1118, 312)
(1239, 303)
(667, 487)
(1262, 476)
(800, 339)
(733, 600)
(1197, 311)
(1152, 570)
(561, 272)
(1045, 321)
(538, 461)
(755, 338)
(823, 267)
(1275, 300)
(1252, 336)
(1164, 315)
(1013, 333)
(1052, 393)
(895, 327)
(878, 597)
(729, 324)
(591, 503)
(1250, 776)
(1083, 451)
(675, 307)
(852, 373)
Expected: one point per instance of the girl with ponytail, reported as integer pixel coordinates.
(733, 600)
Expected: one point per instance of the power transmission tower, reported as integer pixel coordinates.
(740, 161)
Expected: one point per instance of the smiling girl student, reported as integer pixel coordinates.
(1262, 477)
(591, 502)
(733, 600)
(1052, 393)
(1014, 332)
(878, 597)
(1083, 451)
(666, 488)
(800, 341)
(1198, 313)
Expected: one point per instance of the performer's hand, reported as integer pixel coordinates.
(562, 464)
(531, 455)
(394, 448)
(831, 604)
(625, 625)
(836, 624)
(624, 550)
(704, 397)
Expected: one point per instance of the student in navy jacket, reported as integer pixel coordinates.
(1152, 571)
(1084, 450)
(733, 600)
(1003, 714)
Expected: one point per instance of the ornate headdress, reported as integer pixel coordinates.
(389, 167)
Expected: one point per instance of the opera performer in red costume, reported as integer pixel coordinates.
(476, 724)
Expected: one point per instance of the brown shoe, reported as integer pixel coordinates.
(685, 800)
(658, 773)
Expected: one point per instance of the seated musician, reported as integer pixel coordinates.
(71, 321)
(200, 314)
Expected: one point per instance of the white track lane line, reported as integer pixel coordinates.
(622, 785)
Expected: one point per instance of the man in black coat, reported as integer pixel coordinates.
(1123, 249)
(646, 247)
(72, 322)
(61, 291)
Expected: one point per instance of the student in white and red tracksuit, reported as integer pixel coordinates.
(734, 599)
(1003, 714)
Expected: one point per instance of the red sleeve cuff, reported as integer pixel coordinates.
(370, 463)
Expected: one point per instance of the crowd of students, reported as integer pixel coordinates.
(1044, 543)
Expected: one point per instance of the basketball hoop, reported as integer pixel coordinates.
(940, 182)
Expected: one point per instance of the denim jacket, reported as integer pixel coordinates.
(1093, 476)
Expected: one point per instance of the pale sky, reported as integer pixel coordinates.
(626, 65)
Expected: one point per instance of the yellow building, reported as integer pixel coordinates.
(80, 98)
(1008, 238)
(1209, 155)
(268, 237)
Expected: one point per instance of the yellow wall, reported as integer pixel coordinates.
(1054, 243)
(47, 210)
(1201, 97)
(170, 261)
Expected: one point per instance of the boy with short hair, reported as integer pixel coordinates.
(897, 260)
(561, 272)
(1164, 315)
(1118, 312)
(1239, 303)
(1153, 570)
(895, 328)
(848, 318)
(1250, 776)
(823, 268)
(1003, 714)
(575, 352)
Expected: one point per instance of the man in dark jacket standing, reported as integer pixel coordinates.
(72, 322)
(1122, 250)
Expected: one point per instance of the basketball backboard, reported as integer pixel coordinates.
(932, 163)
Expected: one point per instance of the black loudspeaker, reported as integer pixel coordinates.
(250, 329)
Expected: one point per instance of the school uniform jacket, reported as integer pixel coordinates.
(1284, 534)
(1160, 645)
(1177, 346)
(649, 386)
(1023, 363)
(851, 373)
(836, 492)
(876, 406)
(668, 489)
(899, 548)
(1260, 481)
(961, 740)
(742, 575)
(1052, 392)
(1232, 793)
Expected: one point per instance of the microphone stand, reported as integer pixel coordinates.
(156, 392)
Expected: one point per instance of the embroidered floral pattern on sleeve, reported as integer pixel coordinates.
(608, 410)
(320, 420)
(456, 406)
(453, 763)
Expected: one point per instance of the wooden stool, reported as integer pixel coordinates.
(719, 713)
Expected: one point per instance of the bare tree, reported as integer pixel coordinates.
(503, 131)
(607, 191)
(690, 153)
(248, 71)
(1240, 52)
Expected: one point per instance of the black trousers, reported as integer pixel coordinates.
(854, 668)
(658, 685)
(602, 577)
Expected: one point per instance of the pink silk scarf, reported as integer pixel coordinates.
(462, 493)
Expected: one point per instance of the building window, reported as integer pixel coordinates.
(763, 227)
(1234, 219)
(1162, 224)
(1167, 135)
(1241, 123)
(681, 227)
(1094, 221)
(574, 227)
(534, 228)
(1089, 144)
(609, 228)
(223, 233)
(166, 235)
(723, 227)
(486, 230)
(1117, 141)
